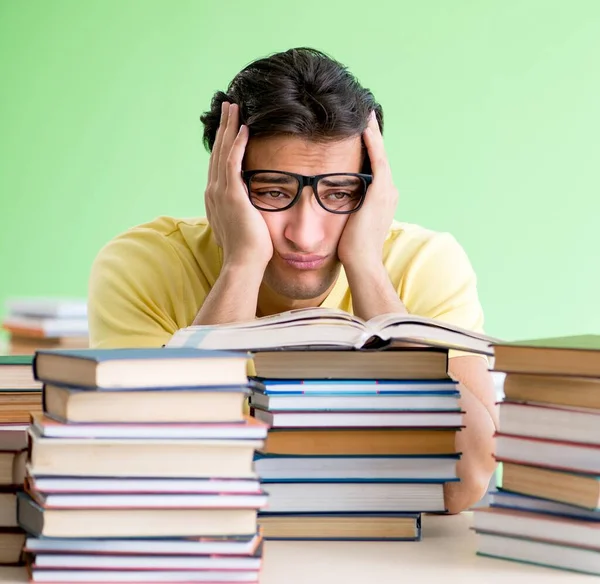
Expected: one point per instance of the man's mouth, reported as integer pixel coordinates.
(304, 261)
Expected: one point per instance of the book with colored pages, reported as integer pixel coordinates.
(360, 441)
(581, 490)
(116, 369)
(17, 406)
(341, 526)
(410, 364)
(583, 392)
(313, 327)
(13, 437)
(176, 405)
(161, 457)
(136, 523)
(16, 373)
(577, 355)
(12, 468)
(11, 547)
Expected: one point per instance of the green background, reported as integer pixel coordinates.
(492, 128)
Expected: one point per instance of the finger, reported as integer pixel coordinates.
(376, 149)
(209, 208)
(228, 138)
(236, 155)
(214, 157)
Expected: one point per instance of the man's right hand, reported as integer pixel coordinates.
(238, 227)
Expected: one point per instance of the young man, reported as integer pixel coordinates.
(300, 203)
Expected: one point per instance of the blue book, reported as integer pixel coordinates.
(358, 386)
(326, 402)
(508, 500)
(117, 369)
(539, 552)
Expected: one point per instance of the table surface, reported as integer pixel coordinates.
(446, 553)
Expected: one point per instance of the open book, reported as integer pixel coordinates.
(322, 328)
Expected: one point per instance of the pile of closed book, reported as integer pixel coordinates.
(141, 469)
(548, 509)
(34, 323)
(361, 443)
(20, 396)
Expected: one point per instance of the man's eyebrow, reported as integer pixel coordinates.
(341, 181)
(273, 179)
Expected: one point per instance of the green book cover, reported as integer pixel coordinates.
(577, 342)
(16, 360)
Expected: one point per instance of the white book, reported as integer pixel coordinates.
(146, 501)
(550, 423)
(123, 562)
(48, 307)
(348, 497)
(325, 327)
(567, 456)
(74, 485)
(539, 526)
(143, 576)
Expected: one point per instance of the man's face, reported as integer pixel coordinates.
(305, 237)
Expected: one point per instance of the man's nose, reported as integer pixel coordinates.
(305, 223)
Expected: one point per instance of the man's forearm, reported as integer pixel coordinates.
(372, 291)
(233, 298)
(475, 441)
(476, 465)
(374, 294)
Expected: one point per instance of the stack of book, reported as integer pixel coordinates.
(548, 508)
(45, 323)
(363, 419)
(20, 396)
(141, 469)
(360, 444)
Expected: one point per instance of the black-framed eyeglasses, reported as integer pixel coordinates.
(336, 192)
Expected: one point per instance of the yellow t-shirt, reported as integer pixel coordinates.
(151, 280)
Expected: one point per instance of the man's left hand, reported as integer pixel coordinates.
(361, 244)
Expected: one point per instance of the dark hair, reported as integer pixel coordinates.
(301, 92)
